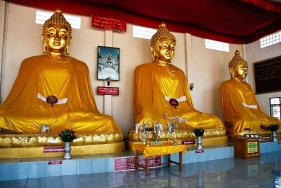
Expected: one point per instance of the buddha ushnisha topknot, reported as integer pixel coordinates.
(58, 19)
(236, 60)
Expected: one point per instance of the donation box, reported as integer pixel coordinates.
(246, 148)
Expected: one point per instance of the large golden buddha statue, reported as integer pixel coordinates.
(54, 89)
(240, 108)
(161, 89)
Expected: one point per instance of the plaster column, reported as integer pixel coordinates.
(107, 98)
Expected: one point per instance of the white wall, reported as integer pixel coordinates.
(206, 68)
(255, 54)
(2, 36)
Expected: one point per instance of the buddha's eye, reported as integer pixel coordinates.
(164, 44)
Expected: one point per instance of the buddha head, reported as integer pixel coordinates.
(163, 45)
(238, 67)
(56, 34)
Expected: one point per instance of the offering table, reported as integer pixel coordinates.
(165, 149)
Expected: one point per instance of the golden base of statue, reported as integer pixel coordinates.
(267, 134)
(33, 145)
(214, 137)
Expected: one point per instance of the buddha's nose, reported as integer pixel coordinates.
(169, 48)
(57, 36)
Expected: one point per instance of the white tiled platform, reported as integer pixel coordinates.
(15, 169)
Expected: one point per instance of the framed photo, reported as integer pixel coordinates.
(108, 63)
(45, 129)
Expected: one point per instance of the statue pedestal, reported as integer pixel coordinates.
(214, 141)
(211, 137)
(38, 152)
(50, 145)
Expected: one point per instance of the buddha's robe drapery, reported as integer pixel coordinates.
(68, 79)
(154, 85)
(241, 109)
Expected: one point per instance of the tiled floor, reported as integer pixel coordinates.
(262, 172)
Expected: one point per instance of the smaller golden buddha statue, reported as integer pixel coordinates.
(161, 89)
(240, 108)
(54, 89)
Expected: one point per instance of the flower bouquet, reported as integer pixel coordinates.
(175, 120)
(273, 127)
(67, 135)
(198, 131)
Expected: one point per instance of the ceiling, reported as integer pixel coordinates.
(233, 21)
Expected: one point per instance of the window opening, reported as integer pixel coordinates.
(216, 45)
(275, 106)
(270, 39)
(143, 32)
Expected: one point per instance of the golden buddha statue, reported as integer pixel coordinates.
(240, 108)
(161, 89)
(54, 89)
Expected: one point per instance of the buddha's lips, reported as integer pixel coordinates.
(56, 43)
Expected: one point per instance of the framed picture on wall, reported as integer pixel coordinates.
(45, 128)
(267, 75)
(108, 63)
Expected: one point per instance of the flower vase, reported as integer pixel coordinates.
(143, 136)
(67, 150)
(274, 136)
(199, 142)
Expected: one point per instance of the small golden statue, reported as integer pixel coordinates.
(240, 108)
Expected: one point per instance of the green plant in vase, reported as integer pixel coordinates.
(67, 136)
(273, 127)
(198, 132)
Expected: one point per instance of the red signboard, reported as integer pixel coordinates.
(267, 137)
(187, 142)
(104, 23)
(108, 90)
(129, 163)
(199, 151)
(53, 149)
(54, 162)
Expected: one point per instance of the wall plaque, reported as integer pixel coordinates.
(267, 75)
(108, 90)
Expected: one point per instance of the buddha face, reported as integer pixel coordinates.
(165, 51)
(56, 38)
(240, 72)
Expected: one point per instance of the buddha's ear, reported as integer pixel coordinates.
(67, 47)
(67, 50)
(45, 47)
(152, 52)
(231, 70)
